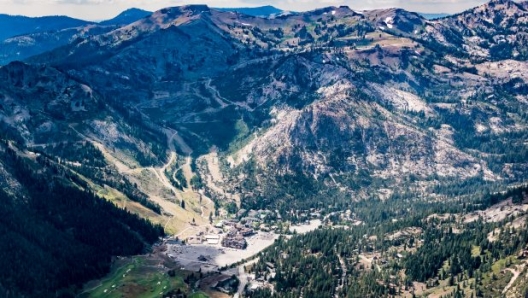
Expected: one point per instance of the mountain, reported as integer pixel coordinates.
(193, 113)
(263, 11)
(40, 35)
(396, 21)
(20, 47)
(126, 17)
(493, 30)
(56, 233)
(340, 99)
(19, 25)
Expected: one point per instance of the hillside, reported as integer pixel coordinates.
(190, 115)
(463, 254)
(365, 102)
(25, 37)
(20, 25)
(127, 17)
(55, 233)
(21, 47)
(494, 30)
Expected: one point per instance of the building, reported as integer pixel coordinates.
(212, 239)
(234, 240)
(246, 231)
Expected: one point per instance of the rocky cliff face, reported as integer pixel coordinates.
(369, 104)
(495, 30)
(38, 100)
(41, 106)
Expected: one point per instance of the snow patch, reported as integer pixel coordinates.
(480, 128)
(389, 21)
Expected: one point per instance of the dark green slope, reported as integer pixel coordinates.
(55, 235)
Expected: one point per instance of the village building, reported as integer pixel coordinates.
(234, 240)
(212, 239)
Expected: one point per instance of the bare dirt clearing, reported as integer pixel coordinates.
(211, 257)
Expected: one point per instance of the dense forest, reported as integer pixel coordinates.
(294, 194)
(312, 265)
(54, 234)
(450, 252)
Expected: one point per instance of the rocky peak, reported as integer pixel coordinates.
(181, 11)
(396, 19)
(323, 10)
(126, 17)
(495, 2)
(339, 12)
(489, 30)
(196, 8)
(503, 7)
(176, 15)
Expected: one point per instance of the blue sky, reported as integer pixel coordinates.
(104, 9)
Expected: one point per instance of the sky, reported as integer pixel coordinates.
(105, 9)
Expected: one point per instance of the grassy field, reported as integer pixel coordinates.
(137, 277)
(475, 251)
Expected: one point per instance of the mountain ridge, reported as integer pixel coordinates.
(368, 35)
(18, 25)
(54, 32)
(375, 120)
(126, 17)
